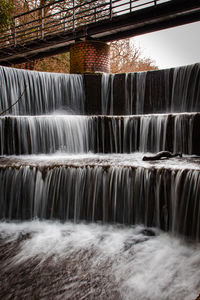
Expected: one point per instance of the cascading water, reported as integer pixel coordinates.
(109, 192)
(99, 134)
(60, 165)
(41, 93)
(166, 91)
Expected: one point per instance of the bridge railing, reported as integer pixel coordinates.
(62, 15)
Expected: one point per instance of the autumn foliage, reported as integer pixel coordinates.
(126, 57)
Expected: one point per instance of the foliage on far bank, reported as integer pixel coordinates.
(126, 57)
(6, 8)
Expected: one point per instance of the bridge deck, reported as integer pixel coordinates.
(53, 28)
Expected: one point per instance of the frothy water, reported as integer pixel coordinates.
(91, 261)
(134, 160)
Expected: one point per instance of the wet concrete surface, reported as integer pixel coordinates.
(93, 160)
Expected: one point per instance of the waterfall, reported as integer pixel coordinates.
(107, 94)
(82, 215)
(140, 95)
(165, 91)
(41, 93)
(164, 198)
(99, 134)
(82, 184)
(44, 134)
(185, 88)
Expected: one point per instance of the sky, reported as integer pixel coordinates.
(172, 47)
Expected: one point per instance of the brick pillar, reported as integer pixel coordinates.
(89, 57)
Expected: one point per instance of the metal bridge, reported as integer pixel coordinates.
(51, 29)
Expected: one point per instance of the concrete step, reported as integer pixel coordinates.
(110, 188)
(100, 134)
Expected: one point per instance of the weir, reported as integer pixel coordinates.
(101, 189)
(82, 216)
(173, 90)
(41, 93)
(100, 134)
(165, 91)
(70, 173)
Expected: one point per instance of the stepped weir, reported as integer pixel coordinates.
(71, 151)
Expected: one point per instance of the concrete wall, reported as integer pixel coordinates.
(165, 91)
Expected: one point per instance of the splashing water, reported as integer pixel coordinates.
(114, 262)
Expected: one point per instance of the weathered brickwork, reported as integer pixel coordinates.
(89, 57)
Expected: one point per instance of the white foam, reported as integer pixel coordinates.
(115, 160)
(155, 267)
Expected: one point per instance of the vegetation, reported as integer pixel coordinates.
(126, 57)
(6, 9)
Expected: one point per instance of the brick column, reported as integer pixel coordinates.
(89, 57)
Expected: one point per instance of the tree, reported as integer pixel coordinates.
(58, 63)
(126, 57)
(6, 9)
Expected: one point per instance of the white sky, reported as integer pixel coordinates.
(172, 47)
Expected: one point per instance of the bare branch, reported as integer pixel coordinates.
(20, 97)
(126, 57)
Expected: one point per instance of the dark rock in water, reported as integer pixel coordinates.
(162, 154)
(148, 232)
(130, 243)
